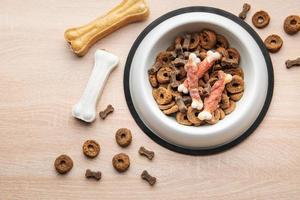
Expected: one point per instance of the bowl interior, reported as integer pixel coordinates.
(247, 109)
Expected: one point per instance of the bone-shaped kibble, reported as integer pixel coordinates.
(144, 152)
(292, 63)
(109, 109)
(246, 8)
(91, 174)
(83, 37)
(85, 109)
(150, 179)
(180, 103)
(173, 81)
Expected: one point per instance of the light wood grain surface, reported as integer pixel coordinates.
(40, 80)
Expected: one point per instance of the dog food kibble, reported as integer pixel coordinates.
(121, 162)
(91, 174)
(123, 137)
(144, 152)
(109, 109)
(291, 24)
(261, 19)
(292, 63)
(91, 148)
(246, 8)
(147, 177)
(273, 43)
(63, 164)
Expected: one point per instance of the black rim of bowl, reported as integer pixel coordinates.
(173, 147)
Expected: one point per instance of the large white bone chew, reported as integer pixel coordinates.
(85, 109)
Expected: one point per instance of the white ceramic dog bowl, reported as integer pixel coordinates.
(249, 111)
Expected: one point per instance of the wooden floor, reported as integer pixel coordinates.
(40, 80)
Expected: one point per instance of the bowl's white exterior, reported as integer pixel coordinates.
(235, 124)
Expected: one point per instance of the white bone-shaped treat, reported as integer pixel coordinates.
(85, 109)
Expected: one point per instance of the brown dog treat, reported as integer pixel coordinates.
(91, 148)
(163, 75)
(123, 137)
(273, 43)
(179, 62)
(178, 45)
(181, 118)
(236, 85)
(237, 96)
(181, 105)
(225, 103)
(167, 106)
(173, 81)
(222, 113)
(155, 68)
(181, 73)
(208, 39)
(235, 71)
(192, 115)
(166, 57)
(222, 41)
(150, 179)
(261, 19)
(153, 80)
(231, 108)
(231, 58)
(147, 153)
(121, 162)
(162, 96)
(291, 24)
(246, 8)
(292, 63)
(91, 174)
(195, 39)
(171, 110)
(63, 164)
(186, 41)
(215, 117)
(109, 109)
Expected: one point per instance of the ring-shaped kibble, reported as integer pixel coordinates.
(231, 108)
(123, 137)
(237, 96)
(195, 39)
(273, 43)
(63, 164)
(215, 117)
(208, 39)
(163, 75)
(166, 56)
(167, 106)
(222, 114)
(260, 19)
(162, 95)
(236, 85)
(235, 71)
(171, 110)
(91, 148)
(222, 41)
(181, 118)
(121, 162)
(231, 57)
(291, 24)
(192, 116)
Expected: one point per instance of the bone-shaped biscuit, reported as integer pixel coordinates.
(85, 109)
(83, 37)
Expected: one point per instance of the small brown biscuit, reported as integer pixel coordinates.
(192, 116)
(235, 71)
(163, 75)
(123, 137)
(195, 39)
(222, 114)
(153, 80)
(121, 162)
(261, 19)
(91, 148)
(291, 24)
(231, 57)
(222, 41)
(237, 96)
(225, 103)
(166, 57)
(236, 85)
(231, 108)
(208, 39)
(182, 119)
(171, 110)
(63, 164)
(167, 106)
(215, 117)
(273, 43)
(162, 95)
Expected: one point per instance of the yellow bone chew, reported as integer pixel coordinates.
(83, 37)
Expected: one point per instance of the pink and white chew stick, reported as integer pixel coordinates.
(211, 102)
(195, 70)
